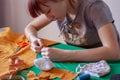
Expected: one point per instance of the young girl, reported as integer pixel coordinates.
(84, 23)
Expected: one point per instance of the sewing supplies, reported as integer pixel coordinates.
(14, 77)
(12, 62)
(14, 66)
(20, 45)
(43, 63)
(115, 77)
(96, 69)
(83, 77)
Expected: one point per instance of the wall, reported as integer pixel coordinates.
(17, 16)
(115, 9)
(1, 13)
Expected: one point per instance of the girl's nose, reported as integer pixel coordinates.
(51, 16)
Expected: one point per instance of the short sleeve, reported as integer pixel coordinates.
(100, 14)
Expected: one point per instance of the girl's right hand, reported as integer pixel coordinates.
(36, 45)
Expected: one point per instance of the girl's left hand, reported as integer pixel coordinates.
(54, 54)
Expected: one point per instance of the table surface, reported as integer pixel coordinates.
(71, 66)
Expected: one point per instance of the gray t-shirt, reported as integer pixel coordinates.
(83, 30)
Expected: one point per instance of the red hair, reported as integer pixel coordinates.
(35, 9)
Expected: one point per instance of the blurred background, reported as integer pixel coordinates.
(14, 13)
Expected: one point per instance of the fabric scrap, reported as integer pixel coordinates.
(53, 73)
(8, 40)
(31, 76)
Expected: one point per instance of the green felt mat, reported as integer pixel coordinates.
(71, 66)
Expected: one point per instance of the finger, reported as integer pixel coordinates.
(40, 43)
(46, 57)
(44, 49)
(35, 46)
(36, 43)
(44, 54)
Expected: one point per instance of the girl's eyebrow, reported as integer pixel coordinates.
(45, 9)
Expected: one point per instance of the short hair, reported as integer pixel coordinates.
(34, 7)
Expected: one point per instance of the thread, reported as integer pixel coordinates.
(83, 77)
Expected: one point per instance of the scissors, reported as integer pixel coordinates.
(20, 45)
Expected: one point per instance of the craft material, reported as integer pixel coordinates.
(20, 45)
(44, 63)
(14, 77)
(97, 69)
(115, 77)
(52, 74)
(83, 77)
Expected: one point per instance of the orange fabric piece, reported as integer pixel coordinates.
(54, 73)
(48, 42)
(31, 76)
(14, 77)
(8, 41)
(16, 64)
(58, 73)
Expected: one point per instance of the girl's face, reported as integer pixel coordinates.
(55, 10)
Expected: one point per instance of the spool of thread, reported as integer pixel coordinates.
(83, 77)
(115, 77)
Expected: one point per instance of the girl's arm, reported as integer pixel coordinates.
(37, 24)
(109, 51)
(31, 31)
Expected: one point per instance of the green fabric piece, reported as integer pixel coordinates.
(71, 66)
